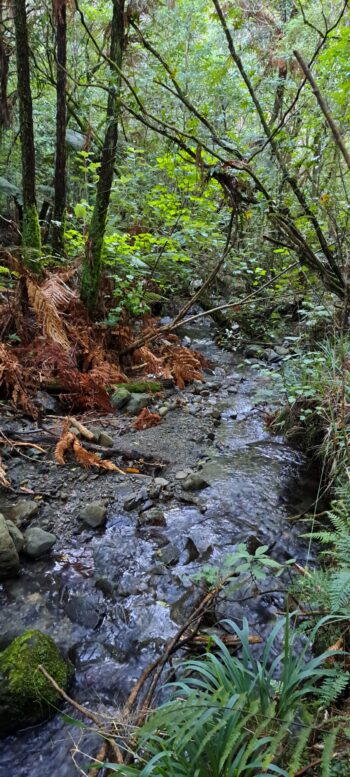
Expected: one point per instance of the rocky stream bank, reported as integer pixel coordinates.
(106, 563)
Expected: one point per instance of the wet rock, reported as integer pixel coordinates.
(254, 351)
(84, 610)
(195, 482)
(106, 440)
(120, 398)
(216, 414)
(192, 550)
(23, 510)
(132, 584)
(169, 555)
(183, 474)
(96, 431)
(26, 696)
(47, 403)
(16, 536)
(282, 350)
(211, 436)
(38, 542)
(270, 355)
(9, 561)
(137, 402)
(105, 585)
(205, 393)
(94, 513)
(147, 505)
(135, 500)
(153, 517)
(162, 482)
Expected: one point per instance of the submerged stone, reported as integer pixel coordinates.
(26, 696)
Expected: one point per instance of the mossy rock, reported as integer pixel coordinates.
(140, 387)
(26, 696)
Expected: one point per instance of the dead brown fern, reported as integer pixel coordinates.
(146, 419)
(69, 442)
(46, 314)
(15, 382)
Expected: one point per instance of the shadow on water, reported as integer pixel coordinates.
(114, 601)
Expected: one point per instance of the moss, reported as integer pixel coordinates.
(31, 239)
(140, 387)
(26, 696)
(31, 229)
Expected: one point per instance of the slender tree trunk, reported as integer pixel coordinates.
(5, 113)
(94, 248)
(60, 15)
(30, 230)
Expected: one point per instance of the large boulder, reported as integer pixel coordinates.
(26, 696)
(9, 560)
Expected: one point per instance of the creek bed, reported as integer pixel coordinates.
(112, 598)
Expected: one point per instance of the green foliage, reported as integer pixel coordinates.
(255, 566)
(231, 716)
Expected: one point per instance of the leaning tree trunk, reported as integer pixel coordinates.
(60, 16)
(30, 229)
(94, 247)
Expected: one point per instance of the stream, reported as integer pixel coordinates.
(113, 597)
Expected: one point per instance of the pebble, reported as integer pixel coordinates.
(94, 513)
(106, 440)
(182, 474)
(153, 517)
(162, 482)
(163, 411)
(195, 482)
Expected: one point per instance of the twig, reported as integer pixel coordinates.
(177, 323)
(324, 108)
(84, 711)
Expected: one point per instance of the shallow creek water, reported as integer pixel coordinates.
(145, 589)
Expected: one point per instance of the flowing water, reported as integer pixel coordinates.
(112, 599)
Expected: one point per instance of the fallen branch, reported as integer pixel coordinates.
(176, 323)
(83, 711)
(324, 108)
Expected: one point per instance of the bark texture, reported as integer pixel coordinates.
(30, 229)
(94, 248)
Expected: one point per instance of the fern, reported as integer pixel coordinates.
(332, 687)
(328, 750)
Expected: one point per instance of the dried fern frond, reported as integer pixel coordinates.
(145, 356)
(57, 292)
(69, 441)
(64, 444)
(107, 374)
(146, 419)
(89, 459)
(185, 365)
(16, 381)
(46, 314)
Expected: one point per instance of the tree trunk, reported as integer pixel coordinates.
(60, 15)
(94, 248)
(5, 113)
(31, 240)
